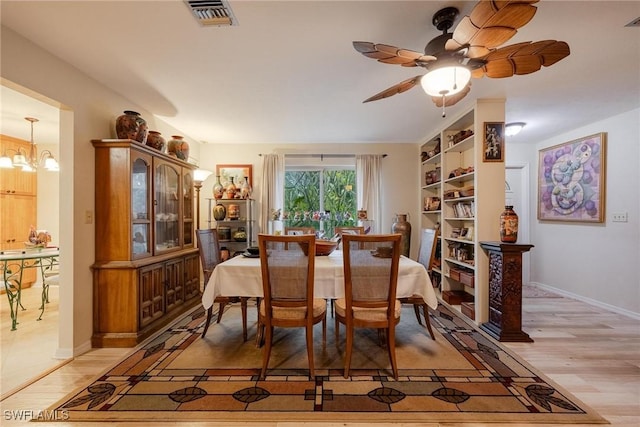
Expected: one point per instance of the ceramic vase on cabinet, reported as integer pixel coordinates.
(155, 140)
(403, 227)
(218, 189)
(508, 225)
(178, 147)
(131, 126)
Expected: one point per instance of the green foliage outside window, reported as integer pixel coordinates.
(307, 203)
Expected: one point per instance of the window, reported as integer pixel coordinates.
(321, 197)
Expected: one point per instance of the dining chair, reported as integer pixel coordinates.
(209, 249)
(293, 231)
(341, 230)
(296, 231)
(370, 283)
(287, 282)
(428, 245)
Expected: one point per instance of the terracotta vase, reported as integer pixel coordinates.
(131, 126)
(234, 212)
(178, 147)
(155, 140)
(231, 189)
(508, 225)
(403, 227)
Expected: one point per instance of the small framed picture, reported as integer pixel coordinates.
(493, 145)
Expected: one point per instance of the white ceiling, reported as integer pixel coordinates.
(289, 73)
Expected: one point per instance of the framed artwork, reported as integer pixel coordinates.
(571, 180)
(238, 172)
(493, 144)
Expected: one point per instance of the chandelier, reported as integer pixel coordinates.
(29, 162)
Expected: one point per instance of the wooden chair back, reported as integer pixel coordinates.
(209, 249)
(296, 231)
(370, 282)
(340, 231)
(288, 284)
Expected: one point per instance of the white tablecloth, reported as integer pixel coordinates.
(242, 276)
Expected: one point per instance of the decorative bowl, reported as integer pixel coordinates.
(323, 247)
(253, 250)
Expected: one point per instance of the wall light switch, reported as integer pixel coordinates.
(620, 217)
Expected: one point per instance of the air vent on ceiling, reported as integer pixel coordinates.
(212, 12)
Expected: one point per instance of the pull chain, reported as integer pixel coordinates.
(444, 100)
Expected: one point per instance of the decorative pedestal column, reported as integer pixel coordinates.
(505, 291)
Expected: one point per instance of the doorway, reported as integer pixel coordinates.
(21, 364)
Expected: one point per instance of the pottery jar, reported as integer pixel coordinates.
(233, 211)
(508, 225)
(131, 126)
(178, 147)
(219, 212)
(155, 140)
(403, 227)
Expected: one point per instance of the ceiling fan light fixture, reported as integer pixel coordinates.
(514, 128)
(445, 81)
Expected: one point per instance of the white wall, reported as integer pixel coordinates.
(595, 262)
(88, 111)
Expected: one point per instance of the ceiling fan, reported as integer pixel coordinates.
(472, 50)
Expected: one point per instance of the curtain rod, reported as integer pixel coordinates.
(322, 156)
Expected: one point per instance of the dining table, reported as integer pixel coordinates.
(242, 276)
(13, 263)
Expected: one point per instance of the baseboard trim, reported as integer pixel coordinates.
(589, 301)
(67, 353)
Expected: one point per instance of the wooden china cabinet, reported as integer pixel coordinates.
(147, 268)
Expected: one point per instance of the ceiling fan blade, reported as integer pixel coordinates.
(392, 55)
(395, 89)
(490, 24)
(522, 58)
(453, 99)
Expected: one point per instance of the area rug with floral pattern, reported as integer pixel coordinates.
(461, 376)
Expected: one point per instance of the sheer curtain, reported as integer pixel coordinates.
(272, 193)
(369, 187)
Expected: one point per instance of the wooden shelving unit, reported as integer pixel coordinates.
(463, 196)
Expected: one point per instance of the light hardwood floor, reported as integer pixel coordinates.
(591, 352)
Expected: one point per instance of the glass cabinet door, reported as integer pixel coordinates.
(141, 206)
(167, 206)
(187, 208)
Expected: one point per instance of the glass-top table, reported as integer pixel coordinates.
(12, 265)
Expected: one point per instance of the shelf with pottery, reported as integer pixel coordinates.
(470, 206)
(233, 218)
